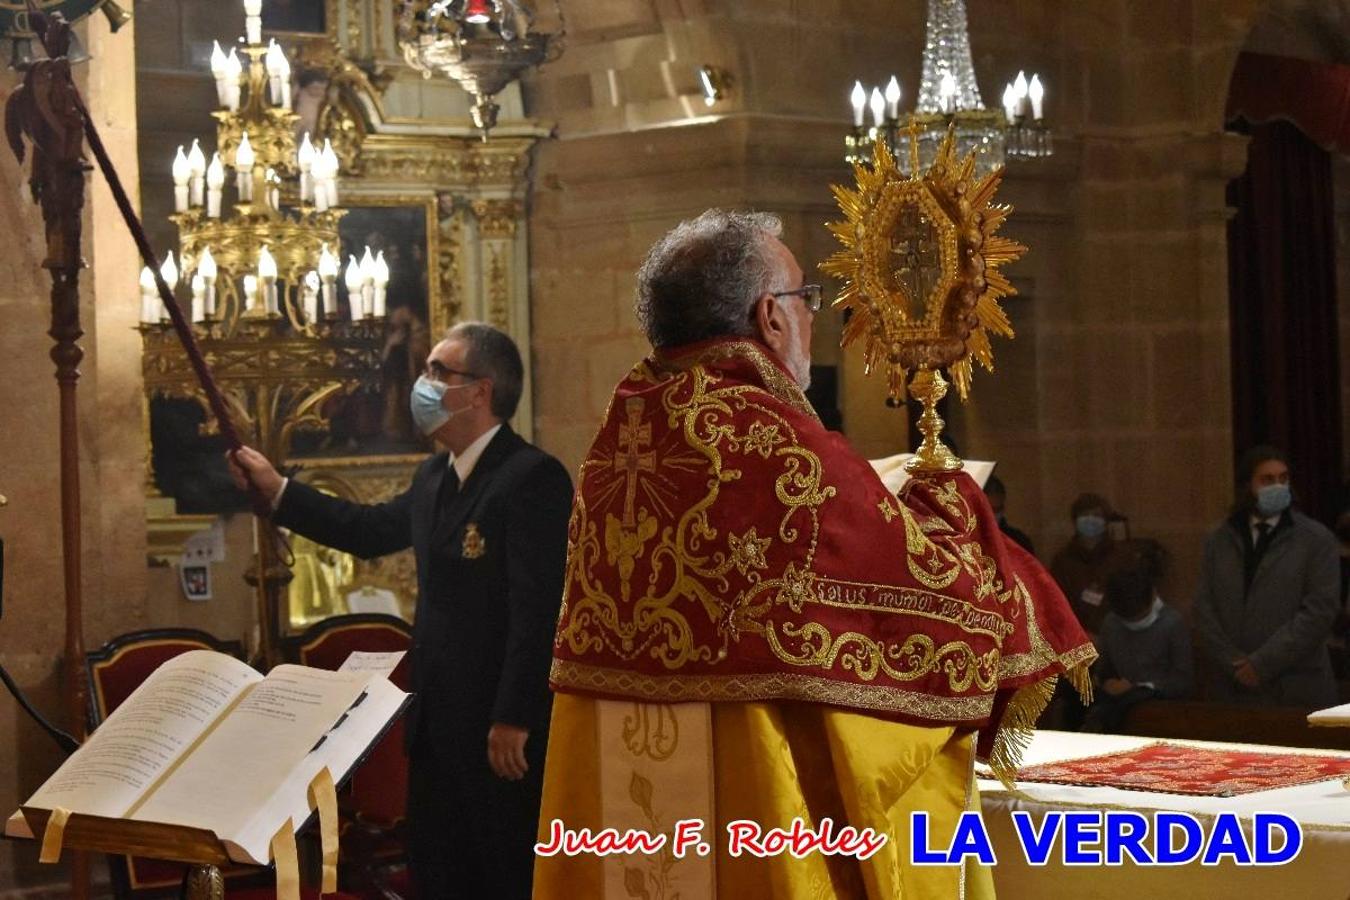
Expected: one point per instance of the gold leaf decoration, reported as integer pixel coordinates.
(920, 265)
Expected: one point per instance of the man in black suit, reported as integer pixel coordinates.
(488, 524)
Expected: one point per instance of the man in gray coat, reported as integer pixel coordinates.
(1268, 594)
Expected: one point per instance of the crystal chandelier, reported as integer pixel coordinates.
(484, 45)
(949, 98)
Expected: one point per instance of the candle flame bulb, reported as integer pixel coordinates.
(878, 106)
(893, 99)
(243, 156)
(267, 265)
(367, 265)
(253, 7)
(169, 271)
(1036, 91)
(206, 266)
(305, 155)
(1020, 85)
(353, 277)
(312, 280)
(196, 160)
(274, 59)
(328, 263)
(147, 280)
(215, 173)
(182, 169)
(219, 65)
(380, 270)
(859, 100)
(233, 67)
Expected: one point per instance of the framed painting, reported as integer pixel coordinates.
(379, 423)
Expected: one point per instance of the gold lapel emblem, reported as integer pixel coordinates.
(474, 545)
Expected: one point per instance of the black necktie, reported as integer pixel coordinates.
(1257, 551)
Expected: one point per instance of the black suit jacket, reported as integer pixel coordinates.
(490, 565)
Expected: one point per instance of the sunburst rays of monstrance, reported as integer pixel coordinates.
(920, 265)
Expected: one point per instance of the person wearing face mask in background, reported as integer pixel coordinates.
(1268, 593)
(1081, 565)
(488, 523)
(1144, 647)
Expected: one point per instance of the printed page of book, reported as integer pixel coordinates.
(236, 769)
(147, 735)
(340, 750)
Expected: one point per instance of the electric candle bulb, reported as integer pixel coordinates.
(859, 99)
(198, 298)
(206, 267)
(330, 167)
(250, 292)
(304, 157)
(182, 171)
(233, 70)
(267, 274)
(243, 169)
(219, 71)
(273, 182)
(354, 282)
(197, 174)
(947, 92)
(311, 296)
(878, 107)
(368, 282)
(328, 271)
(215, 180)
(149, 294)
(1009, 102)
(169, 271)
(278, 75)
(893, 98)
(381, 272)
(1036, 91)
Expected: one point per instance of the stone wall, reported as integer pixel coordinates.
(1118, 380)
(111, 446)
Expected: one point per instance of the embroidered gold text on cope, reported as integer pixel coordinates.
(474, 544)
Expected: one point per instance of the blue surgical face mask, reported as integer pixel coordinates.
(427, 412)
(1273, 499)
(1090, 527)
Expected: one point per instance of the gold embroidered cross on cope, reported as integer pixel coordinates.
(634, 455)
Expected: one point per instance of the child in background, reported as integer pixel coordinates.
(1144, 647)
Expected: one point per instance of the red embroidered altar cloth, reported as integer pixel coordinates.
(1194, 771)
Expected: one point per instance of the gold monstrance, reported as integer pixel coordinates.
(920, 267)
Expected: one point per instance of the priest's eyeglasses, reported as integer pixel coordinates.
(437, 372)
(810, 294)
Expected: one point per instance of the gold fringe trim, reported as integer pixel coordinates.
(1017, 728)
(1081, 679)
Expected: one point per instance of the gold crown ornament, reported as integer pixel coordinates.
(920, 265)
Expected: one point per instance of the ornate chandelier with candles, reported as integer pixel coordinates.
(949, 98)
(484, 45)
(281, 333)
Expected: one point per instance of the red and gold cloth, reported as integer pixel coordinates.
(724, 546)
(1165, 768)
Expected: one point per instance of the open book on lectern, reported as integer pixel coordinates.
(208, 744)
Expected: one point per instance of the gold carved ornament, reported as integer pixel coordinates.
(920, 265)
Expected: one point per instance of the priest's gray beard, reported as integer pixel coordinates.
(798, 363)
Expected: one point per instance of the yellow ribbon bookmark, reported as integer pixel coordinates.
(287, 860)
(54, 836)
(323, 797)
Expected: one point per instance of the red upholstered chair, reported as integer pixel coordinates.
(374, 807)
(114, 671)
